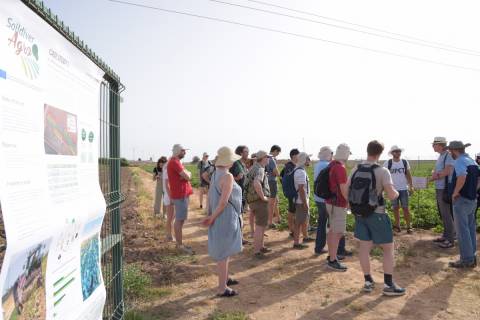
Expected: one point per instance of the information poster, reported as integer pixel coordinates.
(51, 204)
(420, 183)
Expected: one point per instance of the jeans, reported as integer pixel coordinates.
(322, 230)
(464, 212)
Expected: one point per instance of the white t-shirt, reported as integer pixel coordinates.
(301, 177)
(166, 198)
(398, 172)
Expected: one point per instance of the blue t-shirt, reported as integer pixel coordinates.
(441, 163)
(322, 164)
(271, 166)
(466, 167)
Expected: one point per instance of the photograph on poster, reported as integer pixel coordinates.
(60, 132)
(90, 265)
(23, 296)
(3, 238)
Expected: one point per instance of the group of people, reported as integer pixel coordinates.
(237, 182)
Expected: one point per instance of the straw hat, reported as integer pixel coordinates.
(439, 140)
(395, 148)
(261, 154)
(226, 157)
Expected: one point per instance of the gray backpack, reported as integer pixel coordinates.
(362, 195)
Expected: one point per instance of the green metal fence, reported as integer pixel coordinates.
(109, 166)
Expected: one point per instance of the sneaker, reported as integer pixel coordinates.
(345, 253)
(265, 250)
(323, 251)
(291, 234)
(339, 258)
(186, 249)
(462, 265)
(259, 256)
(368, 286)
(409, 230)
(300, 246)
(336, 266)
(169, 238)
(308, 239)
(393, 290)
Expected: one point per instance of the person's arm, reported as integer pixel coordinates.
(155, 174)
(392, 194)
(410, 180)
(344, 190)
(206, 176)
(186, 175)
(167, 187)
(275, 172)
(226, 187)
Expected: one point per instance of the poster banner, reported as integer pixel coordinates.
(420, 183)
(51, 203)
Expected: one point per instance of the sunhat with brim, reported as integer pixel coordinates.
(205, 154)
(395, 148)
(177, 148)
(458, 145)
(261, 154)
(226, 157)
(439, 140)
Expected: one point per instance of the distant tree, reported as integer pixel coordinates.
(124, 162)
(195, 159)
(139, 159)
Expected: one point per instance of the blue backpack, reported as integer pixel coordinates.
(288, 184)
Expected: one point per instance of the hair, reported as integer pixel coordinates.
(161, 160)
(375, 148)
(275, 148)
(294, 152)
(239, 150)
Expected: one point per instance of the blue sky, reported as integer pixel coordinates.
(206, 84)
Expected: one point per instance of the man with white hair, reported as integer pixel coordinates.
(180, 191)
(302, 207)
(337, 205)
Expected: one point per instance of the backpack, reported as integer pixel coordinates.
(390, 164)
(250, 193)
(321, 186)
(362, 194)
(288, 184)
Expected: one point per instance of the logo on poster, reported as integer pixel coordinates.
(23, 45)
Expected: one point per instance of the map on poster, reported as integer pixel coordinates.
(51, 204)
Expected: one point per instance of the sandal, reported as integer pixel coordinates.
(232, 282)
(439, 239)
(227, 293)
(259, 255)
(446, 245)
(265, 250)
(397, 229)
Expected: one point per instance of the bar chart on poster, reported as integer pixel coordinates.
(51, 204)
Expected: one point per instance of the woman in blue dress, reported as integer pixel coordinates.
(225, 232)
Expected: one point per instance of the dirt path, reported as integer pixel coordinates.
(297, 285)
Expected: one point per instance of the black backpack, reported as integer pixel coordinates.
(321, 186)
(362, 193)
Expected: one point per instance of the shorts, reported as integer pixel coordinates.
(301, 214)
(204, 184)
(260, 210)
(402, 199)
(337, 217)
(291, 205)
(377, 228)
(166, 199)
(181, 209)
(273, 189)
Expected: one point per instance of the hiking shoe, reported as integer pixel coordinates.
(259, 256)
(393, 290)
(273, 226)
(462, 264)
(186, 249)
(265, 250)
(368, 286)
(323, 251)
(308, 239)
(409, 230)
(169, 238)
(336, 266)
(300, 246)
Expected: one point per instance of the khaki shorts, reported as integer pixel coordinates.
(260, 210)
(301, 214)
(337, 218)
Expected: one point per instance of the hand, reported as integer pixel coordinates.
(305, 206)
(240, 175)
(411, 189)
(208, 221)
(455, 196)
(265, 199)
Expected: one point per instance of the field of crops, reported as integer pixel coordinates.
(422, 203)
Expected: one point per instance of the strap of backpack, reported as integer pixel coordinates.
(405, 165)
(390, 163)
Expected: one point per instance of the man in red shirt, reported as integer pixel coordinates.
(337, 206)
(180, 191)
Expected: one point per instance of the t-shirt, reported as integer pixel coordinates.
(319, 166)
(398, 172)
(165, 182)
(439, 166)
(271, 166)
(179, 187)
(338, 176)
(383, 178)
(466, 167)
(237, 168)
(257, 173)
(300, 177)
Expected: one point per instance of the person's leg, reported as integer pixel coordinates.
(258, 238)
(321, 227)
(290, 221)
(472, 222)
(271, 204)
(304, 229)
(406, 215)
(296, 233)
(222, 275)
(158, 199)
(251, 220)
(447, 219)
(200, 196)
(333, 240)
(388, 258)
(170, 213)
(341, 246)
(364, 256)
(177, 227)
(277, 211)
(396, 215)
